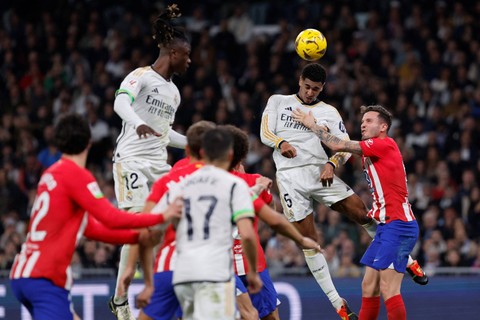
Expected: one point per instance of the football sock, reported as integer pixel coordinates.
(122, 264)
(319, 268)
(410, 260)
(370, 308)
(396, 308)
(371, 228)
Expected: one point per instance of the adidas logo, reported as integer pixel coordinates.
(155, 90)
(288, 108)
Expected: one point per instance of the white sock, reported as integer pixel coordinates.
(410, 260)
(319, 268)
(122, 264)
(371, 228)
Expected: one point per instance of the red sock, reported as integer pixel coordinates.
(396, 308)
(370, 308)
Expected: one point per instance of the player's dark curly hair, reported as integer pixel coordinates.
(195, 135)
(72, 134)
(314, 72)
(240, 144)
(383, 113)
(164, 31)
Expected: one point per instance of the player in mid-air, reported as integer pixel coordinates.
(386, 257)
(214, 200)
(147, 101)
(69, 204)
(300, 160)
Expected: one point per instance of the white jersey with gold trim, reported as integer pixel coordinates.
(278, 125)
(155, 100)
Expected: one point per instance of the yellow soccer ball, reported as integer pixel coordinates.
(310, 44)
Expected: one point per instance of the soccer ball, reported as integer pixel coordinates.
(310, 44)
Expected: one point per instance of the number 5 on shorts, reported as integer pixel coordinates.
(288, 200)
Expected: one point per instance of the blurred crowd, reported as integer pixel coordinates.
(420, 59)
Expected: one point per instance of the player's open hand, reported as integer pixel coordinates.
(261, 184)
(308, 243)
(306, 118)
(174, 210)
(326, 176)
(287, 150)
(144, 131)
(255, 283)
(143, 298)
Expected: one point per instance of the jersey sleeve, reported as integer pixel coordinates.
(241, 202)
(162, 204)
(99, 232)
(269, 124)
(84, 191)
(158, 190)
(258, 203)
(132, 84)
(375, 147)
(173, 191)
(177, 140)
(265, 195)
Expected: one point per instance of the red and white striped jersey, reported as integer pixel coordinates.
(386, 177)
(239, 260)
(65, 193)
(165, 258)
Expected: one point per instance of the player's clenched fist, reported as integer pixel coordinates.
(288, 150)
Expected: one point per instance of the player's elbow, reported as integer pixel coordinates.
(263, 138)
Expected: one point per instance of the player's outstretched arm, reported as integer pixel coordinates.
(279, 223)
(177, 140)
(95, 230)
(334, 143)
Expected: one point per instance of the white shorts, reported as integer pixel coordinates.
(207, 300)
(133, 181)
(298, 188)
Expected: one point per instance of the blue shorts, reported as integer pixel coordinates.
(391, 245)
(164, 303)
(266, 300)
(43, 299)
(239, 286)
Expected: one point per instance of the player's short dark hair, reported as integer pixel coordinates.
(164, 32)
(314, 72)
(72, 134)
(195, 135)
(216, 144)
(240, 144)
(383, 113)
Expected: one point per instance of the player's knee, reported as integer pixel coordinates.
(370, 288)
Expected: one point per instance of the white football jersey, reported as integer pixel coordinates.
(278, 125)
(213, 201)
(155, 100)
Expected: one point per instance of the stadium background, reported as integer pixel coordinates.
(421, 59)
